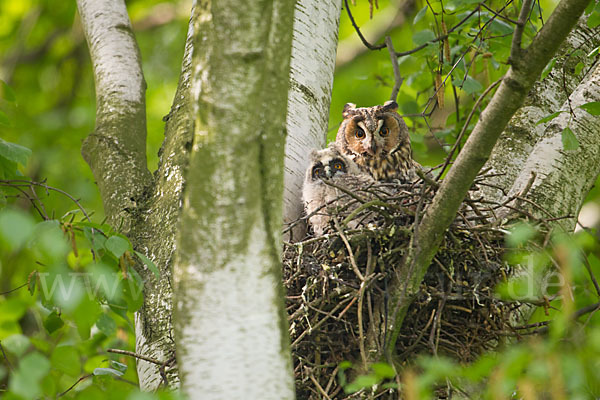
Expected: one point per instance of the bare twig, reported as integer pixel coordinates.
(398, 79)
(349, 248)
(465, 126)
(360, 35)
(132, 354)
(14, 290)
(84, 377)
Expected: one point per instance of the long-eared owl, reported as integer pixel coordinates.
(376, 138)
(330, 165)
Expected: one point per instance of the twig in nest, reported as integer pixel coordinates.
(350, 252)
(317, 385)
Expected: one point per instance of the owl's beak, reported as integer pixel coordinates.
(371, 148)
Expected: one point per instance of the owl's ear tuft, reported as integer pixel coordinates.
(314, 153)
(348, 108)
(390, 105)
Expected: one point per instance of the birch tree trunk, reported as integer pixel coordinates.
(231, 326)
(311, 79)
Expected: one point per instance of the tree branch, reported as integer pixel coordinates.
(116, 150)
(508, 98)
(515, 49)
(398, 79)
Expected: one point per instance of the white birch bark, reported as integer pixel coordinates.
(564, 177)
(230, 322)
(116, 150)
(311, 79)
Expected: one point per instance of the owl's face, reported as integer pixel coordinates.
(329, 163)
(329, 166)
(376, 138)
(372, 132)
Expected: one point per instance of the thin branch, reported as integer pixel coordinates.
(443, 37)
(515, 49)
(360, 35)
(132, 354)
(28, 183)
(84, 377)
(465, 126)
(5, 357)
(350, 252)
(398, 79)
(14, 290)
(162, 364)
(497, 14)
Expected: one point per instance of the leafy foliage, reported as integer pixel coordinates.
(68, 291)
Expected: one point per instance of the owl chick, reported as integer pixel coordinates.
(376, 138)
(329, 166)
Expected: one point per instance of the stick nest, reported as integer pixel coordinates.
(338, 286)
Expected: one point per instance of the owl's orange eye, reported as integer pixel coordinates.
(318, 172)
(360, 133)
(384, 131)
(338, 165)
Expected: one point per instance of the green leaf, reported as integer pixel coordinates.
(13, 151)
(6, 92)
(8, 169)
(594, 19)
(592, 107)
(132, 290)
(383, 370)
(16, 344)
(49, 241)
(579, 68)
(456, 4)
(15, 227)
(106, 325)
(53, 322)
(107, 371)
(4, 119)
(548, 118)
(423, 37)
(117, 245)
(86, 315)
(118, 366)
(3, 201)
(95, 237)
(420, 15)
(569, 139)
(66, 359)
(26, 380)
(548, 68)
(594, 52)
(148, 262)
(470, 85)
(520, 234)
(361, 382)
(500, 27)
